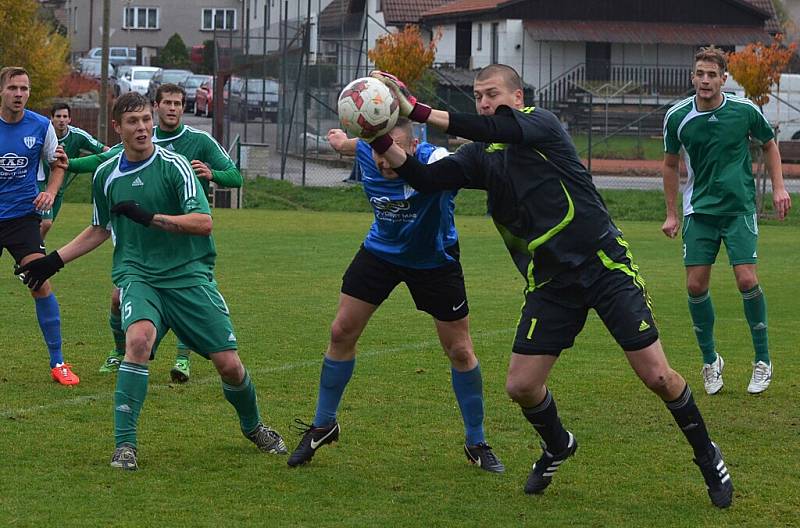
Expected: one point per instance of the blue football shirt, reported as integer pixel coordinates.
(410, 229)
(24, 146)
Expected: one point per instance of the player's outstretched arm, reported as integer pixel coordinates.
(36, 272)
(670, 175)
(90, 163)
(780, 197)
(188, 224)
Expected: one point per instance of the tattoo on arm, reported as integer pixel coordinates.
(167, 224)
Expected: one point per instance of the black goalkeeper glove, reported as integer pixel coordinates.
(36, 272)
(134, 211)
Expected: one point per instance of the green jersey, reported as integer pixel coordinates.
(75, 141)
(716, 148)
(198, 145)
(164, 183)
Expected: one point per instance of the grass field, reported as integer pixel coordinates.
(399, 461)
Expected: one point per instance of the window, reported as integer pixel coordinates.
(218, 18)
(495, 44)
(378, 6)
(480, 37)
(140, 18)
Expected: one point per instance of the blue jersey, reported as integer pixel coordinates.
(411, 229)
(24, 146)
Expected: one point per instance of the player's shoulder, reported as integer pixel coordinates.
(35, 119)
(679, 110)
(106, 168)
(198, 133)
(741, 103)
(80, 132)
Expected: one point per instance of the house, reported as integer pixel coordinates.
(627, 44)
(149, 24)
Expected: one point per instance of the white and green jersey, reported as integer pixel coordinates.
(199, 145)
(74, 142)
(716, 149)
(164, 183)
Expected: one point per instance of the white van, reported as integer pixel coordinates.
(783, 108)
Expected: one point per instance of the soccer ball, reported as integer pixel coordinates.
(367, 108)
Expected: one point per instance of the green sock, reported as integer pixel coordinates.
(128, 401)
(702, 312)
(115, 323)
(243, 398)
(183, 353)
(755, 311)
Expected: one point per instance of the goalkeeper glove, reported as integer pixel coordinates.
(36, 272)
(134, 211)
(409, 106)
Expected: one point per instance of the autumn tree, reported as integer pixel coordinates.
(35, 45)
(757, 67)
(174, 54)
(405, 54)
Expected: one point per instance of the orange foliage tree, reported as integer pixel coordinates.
(758, 67)
(31, 43)
(405, 54)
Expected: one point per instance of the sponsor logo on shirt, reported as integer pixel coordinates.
(713, 119)
(137, 182)
(384, 204)
(11, 162)
(171, 147)
(29, 141)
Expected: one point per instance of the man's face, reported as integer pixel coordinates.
(15, 93)
(404, 141)
(170, 110)
(61, 121)
(136, 130)
(494, 91)
(708, 80)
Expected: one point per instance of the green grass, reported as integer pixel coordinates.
(399, 461)
(620, 147)
(277, 195)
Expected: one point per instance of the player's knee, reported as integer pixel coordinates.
(137, 346)
(658, 381)
(231, 371)
(696, 287)
(520, 391)
(460, 354)
(343, 333)
(747, 282)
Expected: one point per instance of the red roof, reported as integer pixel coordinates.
(642, 32)
(400, 12)
(461, 7)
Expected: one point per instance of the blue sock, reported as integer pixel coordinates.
(332, 381)
(49, 317)
(468, 387)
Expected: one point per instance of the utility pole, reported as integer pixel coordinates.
(102, 126)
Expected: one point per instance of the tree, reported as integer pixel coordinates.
(757, 68)
(174, 54)
(35, 45)
(405, 55)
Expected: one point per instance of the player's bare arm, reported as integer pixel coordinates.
(188, 224)
(670, 175)
(202, 170)
(338, 140)
(780, 197)
(86, 241)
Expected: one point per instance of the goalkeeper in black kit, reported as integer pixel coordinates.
(564, 243)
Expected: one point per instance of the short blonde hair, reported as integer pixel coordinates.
(9, 72)
(712, 54)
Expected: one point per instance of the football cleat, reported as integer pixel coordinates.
(63, 374)
(482, 456)
(124, 458)
(712, 375)
(112, 363)
(180, 372)
(543, 469)
(762, 375)
(313, 439)
(267, 440)
(718, 480)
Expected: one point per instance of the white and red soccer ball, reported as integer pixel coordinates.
(367, 108)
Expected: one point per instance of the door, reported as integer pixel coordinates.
(598, 61)
(463, 44)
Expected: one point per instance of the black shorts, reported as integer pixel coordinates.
(21, 237)
(554, 314)
(437, 291)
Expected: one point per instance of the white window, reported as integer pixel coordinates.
(218, 18)
(141, 18)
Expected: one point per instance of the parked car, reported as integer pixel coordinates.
(204, 99)
(163, 77)
(191, 84)
(254, 98)
(116, 55)
(91, 67)
(134, 79)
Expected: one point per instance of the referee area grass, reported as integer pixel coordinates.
(399, 461)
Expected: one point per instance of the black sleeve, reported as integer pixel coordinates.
(501, 127)
(442, 175)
